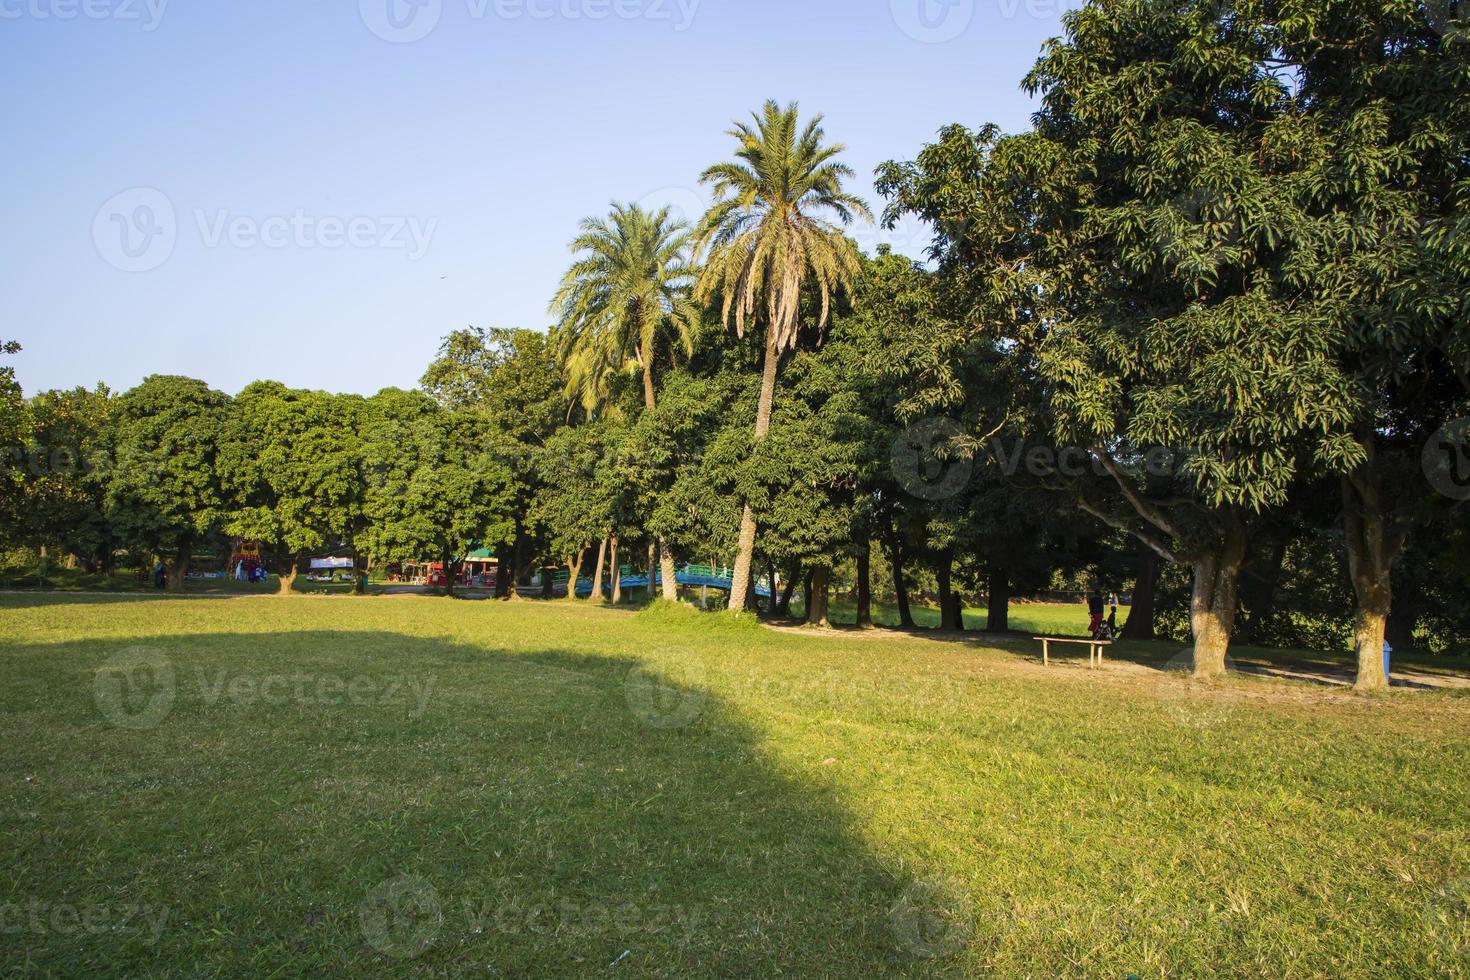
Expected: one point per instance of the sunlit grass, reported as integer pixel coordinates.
(406, 785)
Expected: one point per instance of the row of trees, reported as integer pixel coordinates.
(1190, 333)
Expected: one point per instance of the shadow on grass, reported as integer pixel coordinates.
(378, 802)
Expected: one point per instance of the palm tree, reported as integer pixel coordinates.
(767, 238)
(626, 294)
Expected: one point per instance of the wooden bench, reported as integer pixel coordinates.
(1094, 648)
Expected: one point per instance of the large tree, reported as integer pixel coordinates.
(289, 466)
(164, 494)
(510, 380)
(623, 303)
(438, 481)
(1131, 247)
(13, 437)
(67, 467)
(768, 238)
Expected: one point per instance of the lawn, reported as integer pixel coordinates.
(409, 785)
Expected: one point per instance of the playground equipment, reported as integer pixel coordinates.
(245, 563)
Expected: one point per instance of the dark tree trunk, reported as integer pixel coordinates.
(788, 589)
(1374, 541)
(865, 584)
(998, 600)
(1259, 582)
(503, 573)
(900, 587)
(820, 596)
(949, 604)
(518, 564)
(806, 595)
(178, 569)
(359, 576)
(1140, 625)
(448, 558)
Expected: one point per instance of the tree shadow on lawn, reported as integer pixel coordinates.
(378, 802)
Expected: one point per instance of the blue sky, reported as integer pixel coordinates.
(316, 192)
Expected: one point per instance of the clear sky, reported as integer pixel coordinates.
(316, 192)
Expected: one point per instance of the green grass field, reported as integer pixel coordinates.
(418, 786)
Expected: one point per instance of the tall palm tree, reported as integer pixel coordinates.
(768, 237)
(625, 297)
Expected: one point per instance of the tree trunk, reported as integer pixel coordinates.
(502, 571)
(865, 584)
(900, 588)
(1259, 582)
(286, 581)
(949, 606)
(359, 578)
(998, 599)
(783, 608)
(517, 565)
(617, 574)
(1140, 625)
(574, 573)
(178, 569)
(1373, 545)
(669, 571)
(746, 554)
(596, 595)
(821, 588)
(806, 595)
(449, 575)
(1212, 609)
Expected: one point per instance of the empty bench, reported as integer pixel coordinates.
(1094, 648)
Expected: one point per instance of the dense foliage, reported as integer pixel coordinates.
(1199, 335)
